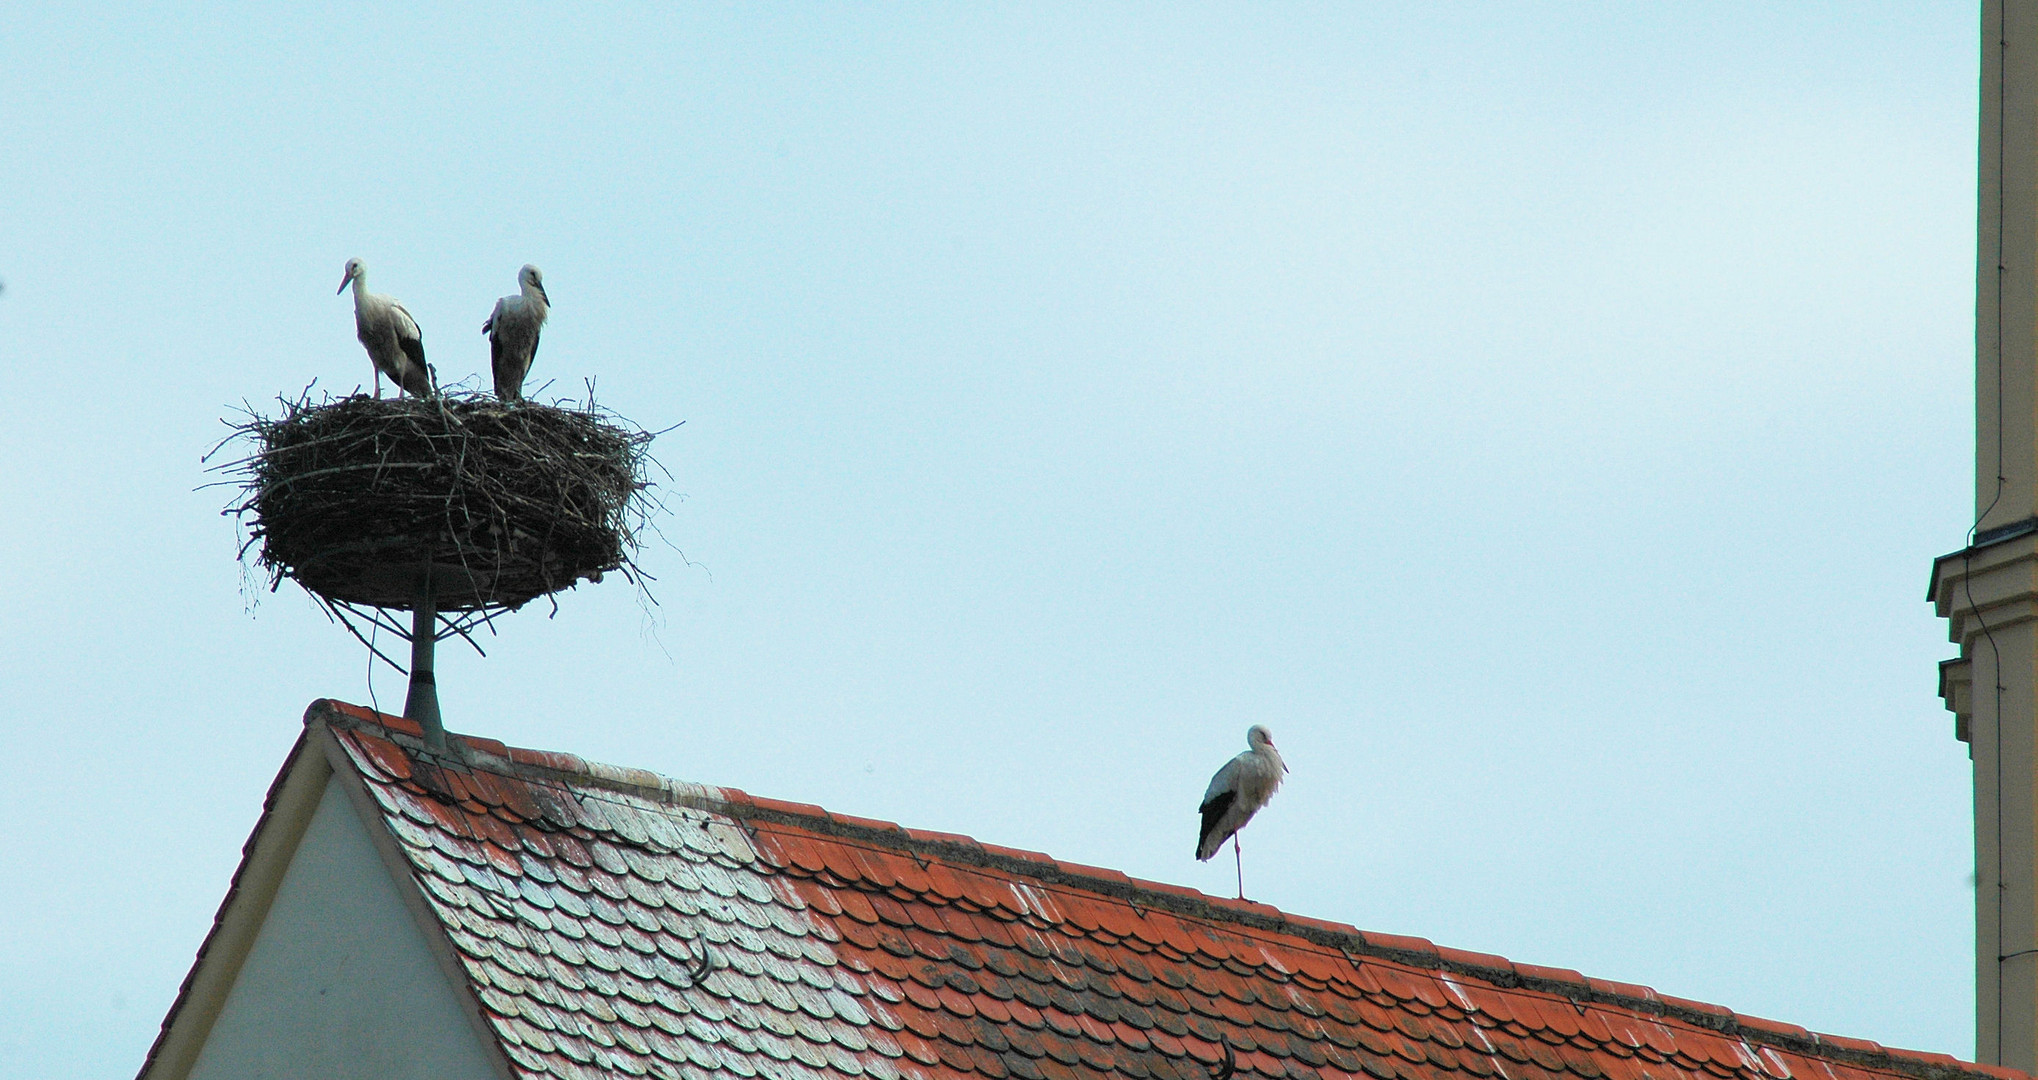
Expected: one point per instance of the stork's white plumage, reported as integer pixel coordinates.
(512, 331)
(1236, 793)
(389, 334)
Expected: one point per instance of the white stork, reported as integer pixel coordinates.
(512, 331)
(1236, 793)
(389, 334)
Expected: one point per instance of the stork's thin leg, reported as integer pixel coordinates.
(1238, 860)
(378, 384)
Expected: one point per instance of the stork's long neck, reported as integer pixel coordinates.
(360, 289)
(534, 298)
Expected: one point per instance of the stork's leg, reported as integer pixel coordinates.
(378, 383)
(1238, 860)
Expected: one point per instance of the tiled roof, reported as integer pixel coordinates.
(611, 922)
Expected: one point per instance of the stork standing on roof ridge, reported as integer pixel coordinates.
(512, 331)
(1236, 793)
(389, 334)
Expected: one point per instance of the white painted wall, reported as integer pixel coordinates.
(341, 984)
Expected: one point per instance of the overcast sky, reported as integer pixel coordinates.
(1543, 418)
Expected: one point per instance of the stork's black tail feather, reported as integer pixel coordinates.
(1213, 812)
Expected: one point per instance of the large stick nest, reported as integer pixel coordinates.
(354, 498)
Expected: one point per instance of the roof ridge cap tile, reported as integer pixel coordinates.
(1354, 944)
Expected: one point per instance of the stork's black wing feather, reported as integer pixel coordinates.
(1213, 811)
(415, 349)
(508, 386)
(416, 377)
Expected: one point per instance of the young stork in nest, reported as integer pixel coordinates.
(389, 334)
(512, 331)
(1236, 793)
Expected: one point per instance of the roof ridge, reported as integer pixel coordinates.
(557, 768)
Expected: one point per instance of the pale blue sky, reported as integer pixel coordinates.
(1542, 417)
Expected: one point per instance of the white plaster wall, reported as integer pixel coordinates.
(340, 984)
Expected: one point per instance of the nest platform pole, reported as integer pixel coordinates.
(422, 703)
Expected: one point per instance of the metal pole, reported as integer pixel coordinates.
(422, 704)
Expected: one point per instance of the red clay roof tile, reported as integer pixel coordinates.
(1015, 854)
(928, 836)
(1696, 1006)
(544, 759)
